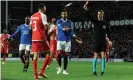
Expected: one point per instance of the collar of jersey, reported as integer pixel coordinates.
(63, 20)
(26, 25)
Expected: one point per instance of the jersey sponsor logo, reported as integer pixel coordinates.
(35, 18)
(26, 32)
(104, 27)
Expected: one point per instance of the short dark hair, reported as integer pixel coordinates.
(41, 5)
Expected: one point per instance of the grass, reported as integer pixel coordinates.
(12, 70)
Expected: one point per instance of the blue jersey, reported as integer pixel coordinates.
(25, 34)
(64, 35)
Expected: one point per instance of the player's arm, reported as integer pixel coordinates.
(30, 23)
(74, 35)
(44, 21)
(51, 28)
(59, 26)
(88, 13)
(16, 32)
(109, 34)
(11, 39)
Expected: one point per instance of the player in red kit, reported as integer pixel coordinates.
(108, 45)
(39, 27)
(4, 44)
(53, 41)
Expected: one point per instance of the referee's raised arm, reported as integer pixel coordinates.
(87, 12)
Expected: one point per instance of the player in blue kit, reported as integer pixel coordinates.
(25, 42)
(65, 32)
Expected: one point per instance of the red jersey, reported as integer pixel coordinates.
(53, 29)
(38, 20)
(2, 38)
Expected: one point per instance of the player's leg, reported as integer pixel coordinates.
(103, 62)
(50, 60)
(5, 52)
(44, 47)
(66, 53)
(22, 53)
(56, 57)
(35, 62)
(70, 56)
(35, 51)
(4, 58)
(107, 56)
(65, 62)
(95, 63)
(60, 47)
(27, 56)
(31, 55)
(55, 54)
(96, 52)
(107, 52)
(51, 51)
(44, 65)
(53, 45)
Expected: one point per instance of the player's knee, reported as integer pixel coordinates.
(95, 55)
(103, 56)
(35, 56)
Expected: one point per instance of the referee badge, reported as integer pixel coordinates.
(104, 27)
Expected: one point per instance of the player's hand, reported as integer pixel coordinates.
(1, 45)
(79, 41)
(85, 5)
(66, 28)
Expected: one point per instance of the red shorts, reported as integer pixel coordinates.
(53, 46)
(38, 46)
(4, 49)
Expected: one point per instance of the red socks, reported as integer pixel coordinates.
(50, 60)
(45, 63)
(4, 58)
(34, 62)
(56, 57)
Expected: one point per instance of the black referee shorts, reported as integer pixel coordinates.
(99, 46)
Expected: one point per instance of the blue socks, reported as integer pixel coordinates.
(103, 64)
(94, 64)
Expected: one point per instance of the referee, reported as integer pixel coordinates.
(101, 28)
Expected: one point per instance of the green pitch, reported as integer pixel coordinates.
(12, 70)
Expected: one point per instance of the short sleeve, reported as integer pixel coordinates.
(44, 19)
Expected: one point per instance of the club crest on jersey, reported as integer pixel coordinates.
(104, 27)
